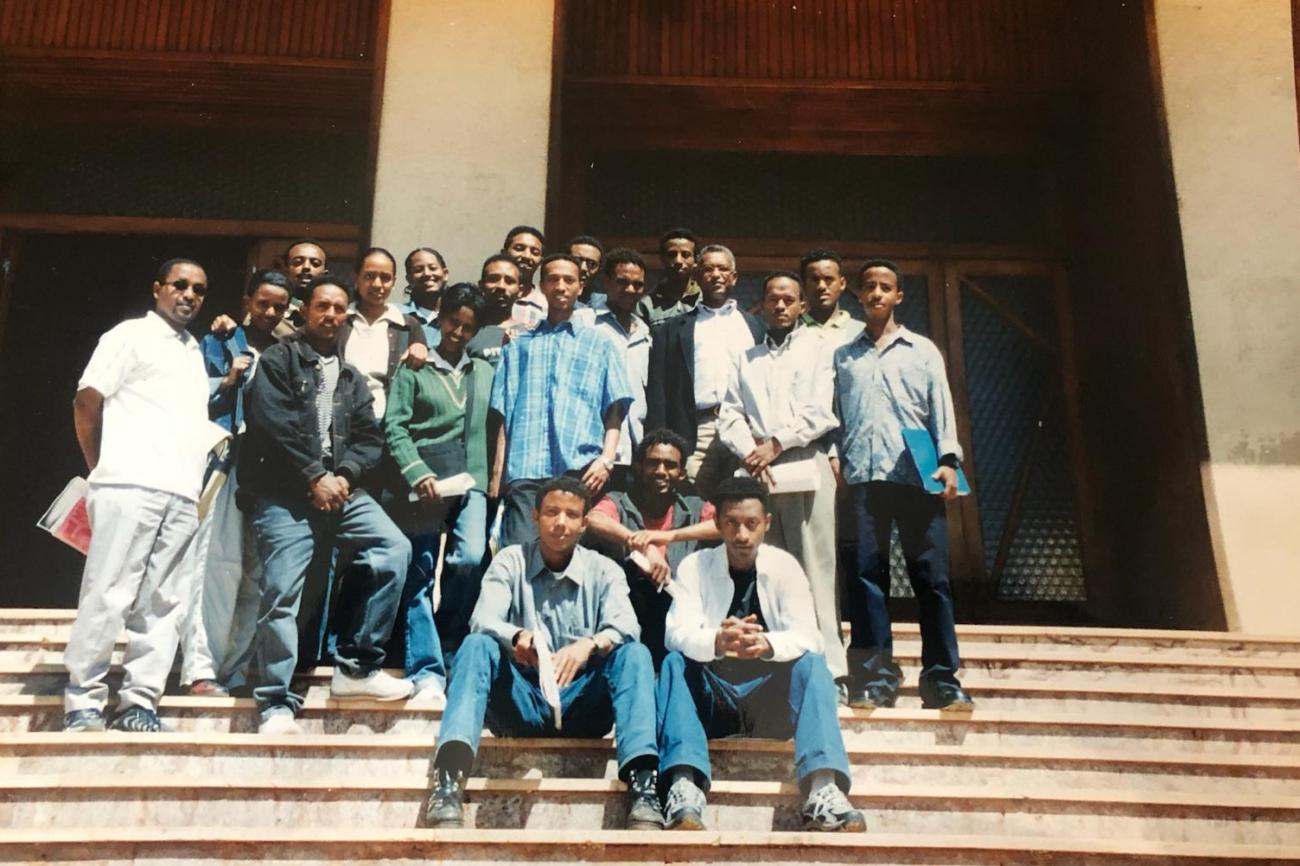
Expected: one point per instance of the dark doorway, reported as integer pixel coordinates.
(67, 290)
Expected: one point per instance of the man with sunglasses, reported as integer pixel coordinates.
(141, 416)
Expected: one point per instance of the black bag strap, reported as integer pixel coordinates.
(469, 407)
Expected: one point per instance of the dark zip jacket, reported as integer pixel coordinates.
(281, 453)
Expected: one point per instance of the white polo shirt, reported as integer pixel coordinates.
(156, 432)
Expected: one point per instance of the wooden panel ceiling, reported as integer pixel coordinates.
(863, 77)
(306, 63)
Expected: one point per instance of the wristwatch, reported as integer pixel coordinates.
(608, 464)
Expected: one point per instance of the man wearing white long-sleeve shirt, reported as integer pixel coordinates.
(690, 362)
(744, 658)
(779, 405)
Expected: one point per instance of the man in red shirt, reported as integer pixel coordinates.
(655, 519)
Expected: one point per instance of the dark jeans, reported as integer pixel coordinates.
(295, 541)
(699, 702)
(615, 690)
(923, 532)
(651, 609)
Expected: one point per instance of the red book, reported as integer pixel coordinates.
(66, 518)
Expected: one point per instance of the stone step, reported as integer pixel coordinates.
(27, 650)
(364, 846)
(78, 801)
(1000, 691)
(40, 620)
(240, 756)
(886, 727)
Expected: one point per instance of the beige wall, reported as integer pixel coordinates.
(465, 123)
(1228, 83)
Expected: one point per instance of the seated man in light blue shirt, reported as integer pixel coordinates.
(551, 596)
(889, 379)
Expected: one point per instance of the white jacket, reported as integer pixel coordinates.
(703, 592)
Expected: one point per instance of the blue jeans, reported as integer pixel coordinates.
(615, 690)
(923, 533)
(424, 633)
(293, 539)
(699, 702)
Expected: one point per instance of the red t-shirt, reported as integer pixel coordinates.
(607, 507)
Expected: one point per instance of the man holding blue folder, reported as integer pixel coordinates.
(899, 456)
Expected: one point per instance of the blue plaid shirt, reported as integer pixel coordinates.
(878, 393)
(553, 387)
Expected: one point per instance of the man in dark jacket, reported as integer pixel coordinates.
(659, 521)
(691, 358)
(312, 440)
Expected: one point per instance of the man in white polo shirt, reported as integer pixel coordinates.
(141, 415)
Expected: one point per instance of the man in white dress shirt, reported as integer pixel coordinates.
(745, 658)
(779, 405)
(141, 413)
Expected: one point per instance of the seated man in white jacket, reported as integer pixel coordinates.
(744, 657)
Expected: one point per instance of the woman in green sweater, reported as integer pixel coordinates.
(436, 422)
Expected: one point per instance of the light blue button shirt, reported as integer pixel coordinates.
(588, 599)
(881, 391)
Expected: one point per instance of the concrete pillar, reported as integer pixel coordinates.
(464, 126)
(1227, 74)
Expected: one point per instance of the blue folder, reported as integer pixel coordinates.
(921, 448)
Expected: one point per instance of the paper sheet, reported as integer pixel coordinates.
(797, 476)
(451, 486)
(546, 671)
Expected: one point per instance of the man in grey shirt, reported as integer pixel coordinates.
(549, 597)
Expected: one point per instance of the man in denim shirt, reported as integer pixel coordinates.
(887, 380)
(572, 602)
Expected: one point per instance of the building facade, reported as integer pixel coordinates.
(1097, 217)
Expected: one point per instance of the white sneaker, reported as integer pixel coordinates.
(378, 686)
(279, 723)
(431, 694)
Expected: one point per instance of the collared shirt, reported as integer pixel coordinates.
(588, 599)
(879, 392)
(428, 320)
(655, 307)
(784, 390)
(368, 351)
(531, 309)
(839, 329)
(553, 387)
(329, 384)
(721, 336)
(635, 346)
(156, 432)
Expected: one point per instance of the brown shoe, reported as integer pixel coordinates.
(208, 689)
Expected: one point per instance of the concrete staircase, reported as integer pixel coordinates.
(1088, 746)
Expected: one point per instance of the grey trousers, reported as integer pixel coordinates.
(220, 620)
(138, 573)
(803, 524)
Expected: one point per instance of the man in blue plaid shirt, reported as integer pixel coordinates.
(558, 401)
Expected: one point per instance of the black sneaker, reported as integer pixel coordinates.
(827, 809)
(84, 722)
(643, 812)
(445, 810)
(871, 697)
(137, 720)
(947, 697)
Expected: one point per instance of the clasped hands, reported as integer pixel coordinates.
(741, 639)
(329, 492)
(567, 660)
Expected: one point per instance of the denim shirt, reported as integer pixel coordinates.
(879, 392)
(589, 598)
(219, 353)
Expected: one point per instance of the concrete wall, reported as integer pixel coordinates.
(1227, 71)
(464, 126)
